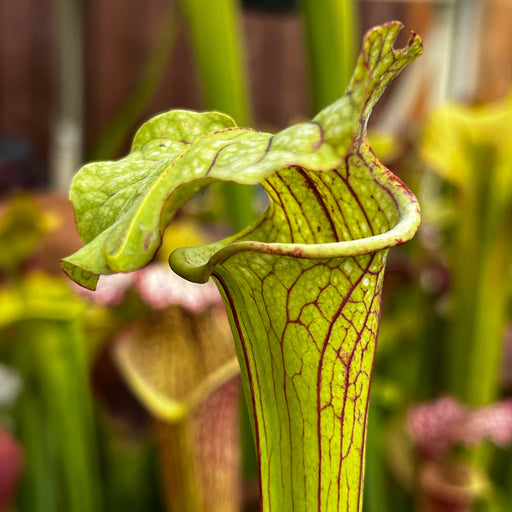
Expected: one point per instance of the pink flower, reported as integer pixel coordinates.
(442, 423)
(157, 285)
(493, 422)
(110, 290)
(431, 425)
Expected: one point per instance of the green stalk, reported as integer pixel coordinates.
(491, 305)
(465, 290)
(375, 477)
(111, 139)
(62, 367)
(38, 486)
(217, 43)
(216, 38)
(55, 419)
(55, 410)
(332, 35)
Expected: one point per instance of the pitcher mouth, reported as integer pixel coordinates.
(197, 263)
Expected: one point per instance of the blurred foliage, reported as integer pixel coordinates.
(43, 339)
(471, 148)
(22, 229)
(49, 338)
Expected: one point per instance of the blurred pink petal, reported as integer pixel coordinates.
(492, 422)
(110, 290)
(159, 287)
(10, 469)
(431, 425)
(442, 423)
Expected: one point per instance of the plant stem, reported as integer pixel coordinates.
(332, 35)
(217, 42)
(480, 303)
(38, 484)
(375, 481)
(56, 368)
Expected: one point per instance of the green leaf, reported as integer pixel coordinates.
(302, 284)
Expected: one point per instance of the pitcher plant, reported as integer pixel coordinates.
(302, 284)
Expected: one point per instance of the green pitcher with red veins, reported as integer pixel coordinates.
(302, 284)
